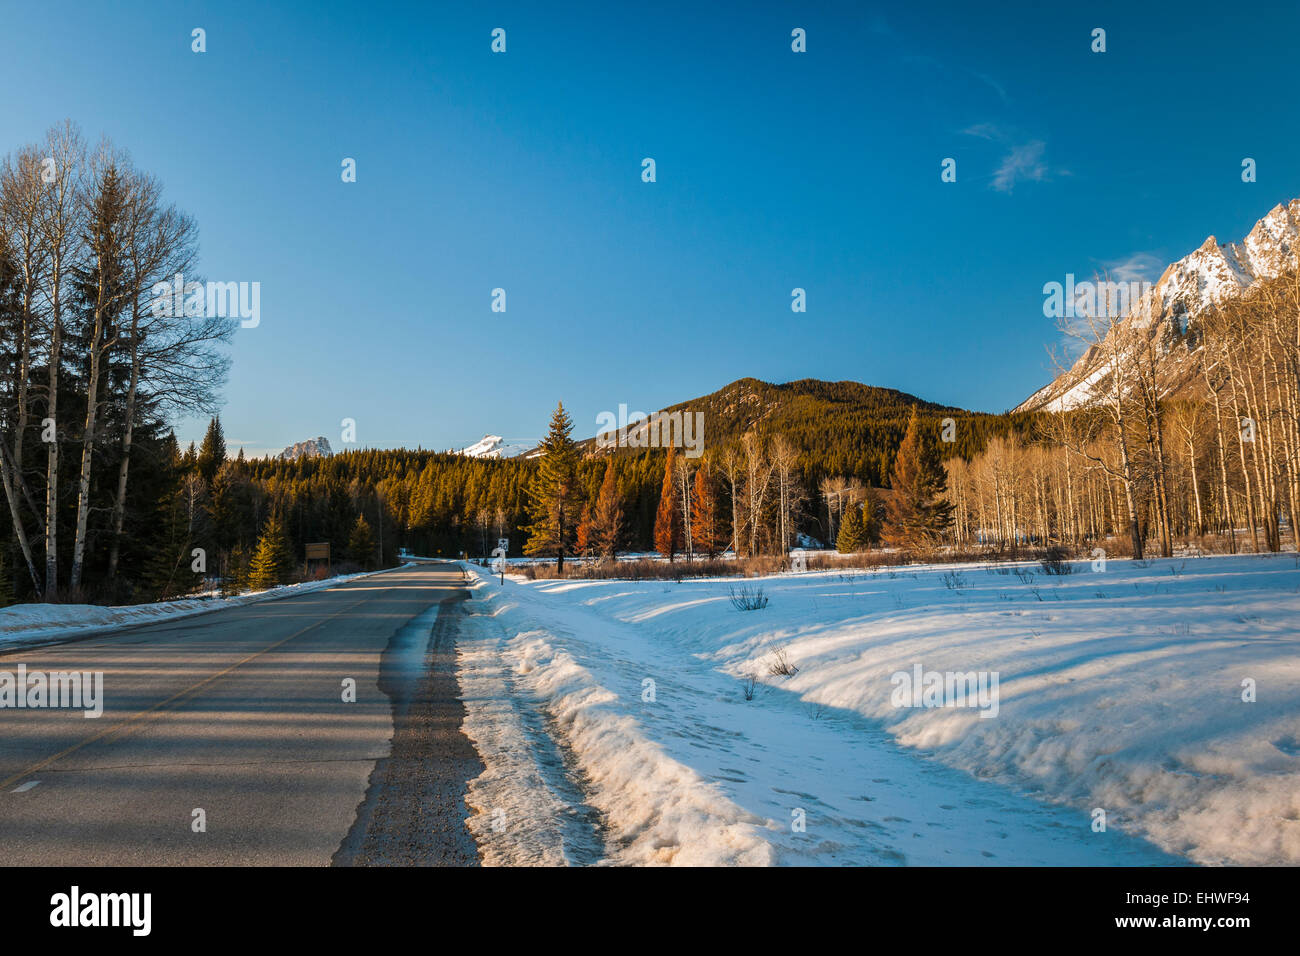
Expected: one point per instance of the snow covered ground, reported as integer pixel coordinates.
(613, 720)
(36, 623)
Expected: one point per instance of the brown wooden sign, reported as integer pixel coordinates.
(319, 551)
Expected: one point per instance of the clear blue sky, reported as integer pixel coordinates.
(775, 170)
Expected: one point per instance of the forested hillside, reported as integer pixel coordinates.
(843, 428)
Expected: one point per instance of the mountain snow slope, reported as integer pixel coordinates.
(494, 446)
(1166, 313)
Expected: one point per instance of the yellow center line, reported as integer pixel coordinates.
(136, 718)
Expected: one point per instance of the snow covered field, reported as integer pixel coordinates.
(613, 720)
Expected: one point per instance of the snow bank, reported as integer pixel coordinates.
(656, 809)
(1120, 690)
(516, 812)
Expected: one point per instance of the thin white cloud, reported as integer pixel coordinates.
(1023, 164)
(1025, 160)
(985, 131)
(1136, 267)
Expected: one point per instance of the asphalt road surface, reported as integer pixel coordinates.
(240, 714)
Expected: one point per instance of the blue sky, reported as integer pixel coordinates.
(775, 170)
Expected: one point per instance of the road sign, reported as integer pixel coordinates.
(318, 551)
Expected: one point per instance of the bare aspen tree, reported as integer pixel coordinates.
(103, 287)
(20, 247)
(832, 492)
(733, 469)
(1147, 388)
(1114, 341)
(758, 475)
(789, 494)
(682, 477)
(173, 358)
(1189, 422)
(60, 219)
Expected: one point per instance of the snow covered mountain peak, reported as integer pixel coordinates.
(318, 447)
(494, 446)
(1209, 275)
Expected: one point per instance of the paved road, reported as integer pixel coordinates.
(240, 713)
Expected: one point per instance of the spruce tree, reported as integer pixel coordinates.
(554, 494)
(273, 561)
(852, 537)
(167, 571)
(917, 511)
(212, 453)
(361, 543)
(235, 580)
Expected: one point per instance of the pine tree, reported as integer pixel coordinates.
(852, 538)
(273, 561)
(167, 572)
(668, 520)
(917, 511)
(361, 544)
(235, 580)
(554, 494)
(212, 453)
(607, 518)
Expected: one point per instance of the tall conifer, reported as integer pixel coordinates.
(273, 561)
(555, 495)
(917, 510)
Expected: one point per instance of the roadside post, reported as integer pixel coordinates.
(499, 553)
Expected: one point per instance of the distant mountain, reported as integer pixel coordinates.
(748, 402)
(846, 428)
(1166, 313)
(318, 447)
(494, 446)
(805, 405)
